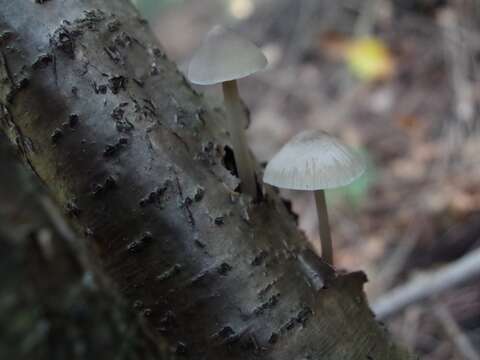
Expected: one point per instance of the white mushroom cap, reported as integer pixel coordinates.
(224, 56)
(313, 160)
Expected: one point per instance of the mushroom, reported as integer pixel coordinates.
(225, 57)
(314, 160)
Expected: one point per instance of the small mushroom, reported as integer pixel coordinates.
(225, 57)
(314, 160)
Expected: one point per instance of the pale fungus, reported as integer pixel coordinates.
(225, 57)
(314, 160)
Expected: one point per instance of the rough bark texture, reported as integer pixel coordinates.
(138, 163)
(51, 306)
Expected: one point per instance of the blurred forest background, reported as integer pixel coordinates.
(397, 80)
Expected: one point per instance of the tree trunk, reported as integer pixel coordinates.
(139, 163)
(51, 306)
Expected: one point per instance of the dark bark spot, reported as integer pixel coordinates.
(73, 120)
(157, 52)
(303, 315)
(187, 201)
(208, 153)
(23, 83)
(224, 333)
(111, 150)
(263, 291)
(100, 189)
(124, 126)
(199, 192)
(258, 260)
(149, 107)
(224, 268)
(200, 278)
(118, 112)
(273, 338)
(168, 274)
(42, 61)
(182, 117)
(135, 247)
(219, 220)
(139, 244)
(199, 244)
(117, 83)
(138, 82)
(269, 304)
(6, 37)
(113, 54)
(110, 183)
(301, 318)
(123, 40)
(99, 89)
(289, 325)
(181, 349)
(155, 196)
(114, 25)
(64, 41)
(91, 20)
(228, 160)
(56, 136)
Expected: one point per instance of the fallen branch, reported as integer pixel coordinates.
(427, 285)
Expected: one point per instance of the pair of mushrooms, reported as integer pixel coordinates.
(312, 160)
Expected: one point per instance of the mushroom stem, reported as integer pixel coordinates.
(324, 227)
(236, 124)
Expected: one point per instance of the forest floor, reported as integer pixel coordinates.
(418, 206)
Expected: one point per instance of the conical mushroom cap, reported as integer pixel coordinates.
(224, 56)
(313, 160)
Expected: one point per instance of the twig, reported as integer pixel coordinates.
(461, 341)
(427, 285)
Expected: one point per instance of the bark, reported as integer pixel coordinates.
(141, 167)
(51, 306)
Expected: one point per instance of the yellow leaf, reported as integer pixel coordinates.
(369, 59)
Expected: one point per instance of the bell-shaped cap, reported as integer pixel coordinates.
(224, 56)
(313, 160)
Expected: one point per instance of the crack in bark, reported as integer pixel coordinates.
(185, 201)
